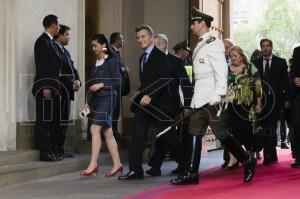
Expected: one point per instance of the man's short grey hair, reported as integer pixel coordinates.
(161, 38)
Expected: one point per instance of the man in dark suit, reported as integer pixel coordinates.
(295, 95)
(153, 104)
(117, 42)
(274, 77)
(70, 82)
(46, 89)
(171, 139)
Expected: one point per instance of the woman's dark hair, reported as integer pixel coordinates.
(101, 39)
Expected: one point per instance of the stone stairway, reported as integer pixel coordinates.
(23, 166)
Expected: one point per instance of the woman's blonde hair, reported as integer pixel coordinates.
(239, 51)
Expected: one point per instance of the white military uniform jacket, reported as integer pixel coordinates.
(210, 71)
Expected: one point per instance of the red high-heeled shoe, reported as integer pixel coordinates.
(94, 171)
(120, 169)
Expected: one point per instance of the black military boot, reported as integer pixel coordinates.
(192, 175)
(241, 155)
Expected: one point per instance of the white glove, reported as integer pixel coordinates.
(215, 100)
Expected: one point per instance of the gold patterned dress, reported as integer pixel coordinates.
(243, 90)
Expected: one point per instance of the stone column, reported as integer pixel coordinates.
(7, 76)
(79, 127)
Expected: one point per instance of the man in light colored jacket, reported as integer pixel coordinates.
(210, 73)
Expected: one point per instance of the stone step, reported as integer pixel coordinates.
(18, 157)
(25, 172)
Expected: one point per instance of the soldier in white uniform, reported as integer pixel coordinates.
(210, 73)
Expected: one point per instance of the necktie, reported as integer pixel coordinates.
(144, 60)
(267, 70)
(266, 76)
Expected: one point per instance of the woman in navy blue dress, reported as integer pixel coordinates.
(101, 101)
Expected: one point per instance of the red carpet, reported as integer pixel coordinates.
(277, 181)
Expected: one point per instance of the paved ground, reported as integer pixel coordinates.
(72, 186)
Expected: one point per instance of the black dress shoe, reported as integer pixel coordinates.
(57, 156)
(295, 165)
(131, 175)
(47, 157)
(249, 169)
(232, 167)
(153, 172)
(188, 178)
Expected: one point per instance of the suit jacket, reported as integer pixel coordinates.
(278, 75)
(107, 74)
(209, 69)
(68, 72)
(278, 82)
(154, 82)
(125, 81)
(48, 66)
(180, 78)
(119, 60)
